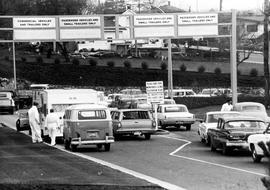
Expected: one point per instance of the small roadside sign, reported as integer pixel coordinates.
(155, 93)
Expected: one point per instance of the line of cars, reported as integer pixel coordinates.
(245, 127)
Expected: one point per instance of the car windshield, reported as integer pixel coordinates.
(91, 114)
(245, 125)
(175, 109)
(135, 115)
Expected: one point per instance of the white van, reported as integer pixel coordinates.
(59, 100)
(180, 93)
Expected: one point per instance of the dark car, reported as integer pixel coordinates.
(232, 132)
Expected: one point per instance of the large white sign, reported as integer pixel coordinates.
(81, 33)
(155, 93)
(159, 20)
(33, 22)
(86, 21)
(188, 19)
(33, 35)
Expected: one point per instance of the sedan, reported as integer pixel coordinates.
(136, 122)
(210, 122)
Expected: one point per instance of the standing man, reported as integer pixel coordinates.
(35, 123)
(52, 122)
(227, 106)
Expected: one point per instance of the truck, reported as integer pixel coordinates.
(59, 100)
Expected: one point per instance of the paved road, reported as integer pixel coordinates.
(180, 159)
(39, 166)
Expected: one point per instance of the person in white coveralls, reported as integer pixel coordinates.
(227, 106)
(52, 122)
(35, 123)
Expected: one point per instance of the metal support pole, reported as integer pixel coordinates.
(170, 77)
(14, 65)
(233, 59)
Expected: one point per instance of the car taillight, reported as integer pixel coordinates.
(153, 124)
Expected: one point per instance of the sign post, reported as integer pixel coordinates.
(155, 95)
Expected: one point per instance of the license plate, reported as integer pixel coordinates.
(137, 133)
(92, 134)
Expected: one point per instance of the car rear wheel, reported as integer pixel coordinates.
(225, 150)
(67, 144)
(147, 136)
(73, 147)
(107, 147)
(188, 127)
(213, 148)
(256, 158)
(99, 146)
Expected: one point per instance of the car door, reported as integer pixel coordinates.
(215, 134)
(136, 120)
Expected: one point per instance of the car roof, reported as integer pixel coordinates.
(125, 110)
(172, 105)
(222, 112)
(248, 103)
(86, 106)
(240, 118)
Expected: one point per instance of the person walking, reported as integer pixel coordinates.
(35, 123)
(227, 106)
(52, 122)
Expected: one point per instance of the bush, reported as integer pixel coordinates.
(127, 64)
(76, 61)
(23, 59)
(163, 66)
(92, 62)
(183, 68)
(39, 59)
(201, 69)
(110, 63)
(253, 72)
(144, 65)
(57, 61)
(217, 71)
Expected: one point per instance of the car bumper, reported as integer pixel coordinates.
(237, 144)
(135, 132)
(79, 141)
(177, 122)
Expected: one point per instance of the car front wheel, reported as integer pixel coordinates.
(107, 147)
(147, 136)
(256, 158)
(213, 148)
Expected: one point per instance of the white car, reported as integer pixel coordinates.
(254, 140)
(210, 122)
(174, 115)
(253, 109)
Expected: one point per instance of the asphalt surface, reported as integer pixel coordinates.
(25, 165)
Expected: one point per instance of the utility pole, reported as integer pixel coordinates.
(220, 5)
(266, 52)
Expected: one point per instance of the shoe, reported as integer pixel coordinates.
(53, 144)
(40, 141)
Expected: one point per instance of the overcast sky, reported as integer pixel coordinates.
(206, 5)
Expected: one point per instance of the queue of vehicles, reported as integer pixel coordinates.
(87, 120)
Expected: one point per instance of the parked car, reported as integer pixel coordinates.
(253, 109)
(174, 115)
(87, 124)
(22, 122)
(180, 93)
(136, 122)
(254, 141)
(210, 121)
(7, 103)
(232, 132)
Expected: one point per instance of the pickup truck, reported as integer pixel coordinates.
(232, 132)
(6, 102)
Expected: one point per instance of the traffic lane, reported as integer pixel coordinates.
(26, 163)
(152, 158)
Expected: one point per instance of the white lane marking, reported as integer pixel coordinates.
(205, 162)
(150, 179)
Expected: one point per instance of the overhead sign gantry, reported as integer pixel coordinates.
(121, 27)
